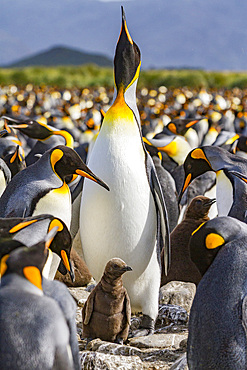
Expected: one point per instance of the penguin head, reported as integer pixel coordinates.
(195, 164)
(210, 237)
(31, 128)
(28, 262)
(180, 126)
(199, 207)
(65, 162)
(127, 59)
(115, 268)
(60, 244)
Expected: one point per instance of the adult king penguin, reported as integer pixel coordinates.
(129, 221)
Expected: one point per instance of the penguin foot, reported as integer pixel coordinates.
(146, 327)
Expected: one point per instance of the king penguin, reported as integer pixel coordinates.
(34, 332)
(218, 321)
(231, 191)
(128, 221)
(41, 187)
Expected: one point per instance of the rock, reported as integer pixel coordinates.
(170, 314)
(101, 361)
(178, 293)
(168, 341)
(80, 295)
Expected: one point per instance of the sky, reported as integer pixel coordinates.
(209, 34)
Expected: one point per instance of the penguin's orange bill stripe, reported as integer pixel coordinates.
(21, 226)
(127, 33)
(33, 274)
(191, 123)
(198, 154)
(197, 228)
(65, 259)
(84, 174)
(187, 182)
(13, 157)
(3, 265)
(22, 125)
(214, 241)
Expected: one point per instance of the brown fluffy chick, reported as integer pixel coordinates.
(182, 268)
(107, 312)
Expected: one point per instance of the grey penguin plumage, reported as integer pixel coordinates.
(107, 312)
(131, 221)
(217, 325)
(34, 333)
(230, 191)
(41, 187)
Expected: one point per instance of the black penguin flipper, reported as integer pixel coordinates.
(244, 313)
(161, 208)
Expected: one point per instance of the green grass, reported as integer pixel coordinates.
(92, 75)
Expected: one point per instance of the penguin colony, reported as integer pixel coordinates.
(144, 203)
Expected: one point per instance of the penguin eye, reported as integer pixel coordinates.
(189, 167)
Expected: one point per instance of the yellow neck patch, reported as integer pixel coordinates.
(33, 275)
(213, 241)
(65, 259)
(69, 141)
(119, 111)
(170, 149)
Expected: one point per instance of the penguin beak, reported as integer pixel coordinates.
(187, 181)
(67, 263)
(209, 202)
(86, 172)
(127, 59)
(126, 268)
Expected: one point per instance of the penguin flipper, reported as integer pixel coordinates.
(161, 207)
(88, 308)
(244, 313)
(127, 308)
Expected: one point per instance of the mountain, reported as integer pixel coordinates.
(61, 55)
(211, 34)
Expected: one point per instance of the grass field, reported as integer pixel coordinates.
(92, 75)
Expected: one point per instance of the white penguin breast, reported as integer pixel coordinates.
(224, 193)
(121, 222)
(57, 203)
(2, 182)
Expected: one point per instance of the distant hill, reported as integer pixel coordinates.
(60, 55)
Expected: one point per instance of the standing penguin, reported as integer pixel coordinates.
(218, 321)
(34, 333)
(106, 313)
(129, 221)
(41, 188)
(231, 192)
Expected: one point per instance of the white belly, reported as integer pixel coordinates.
(56, 203)
(2, 182)
(224, 194)
(122, 222)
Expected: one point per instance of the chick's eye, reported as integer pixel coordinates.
(115, 266)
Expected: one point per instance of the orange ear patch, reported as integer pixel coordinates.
(199, 154)
(213, 241)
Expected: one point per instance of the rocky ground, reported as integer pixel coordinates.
(158, 351)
